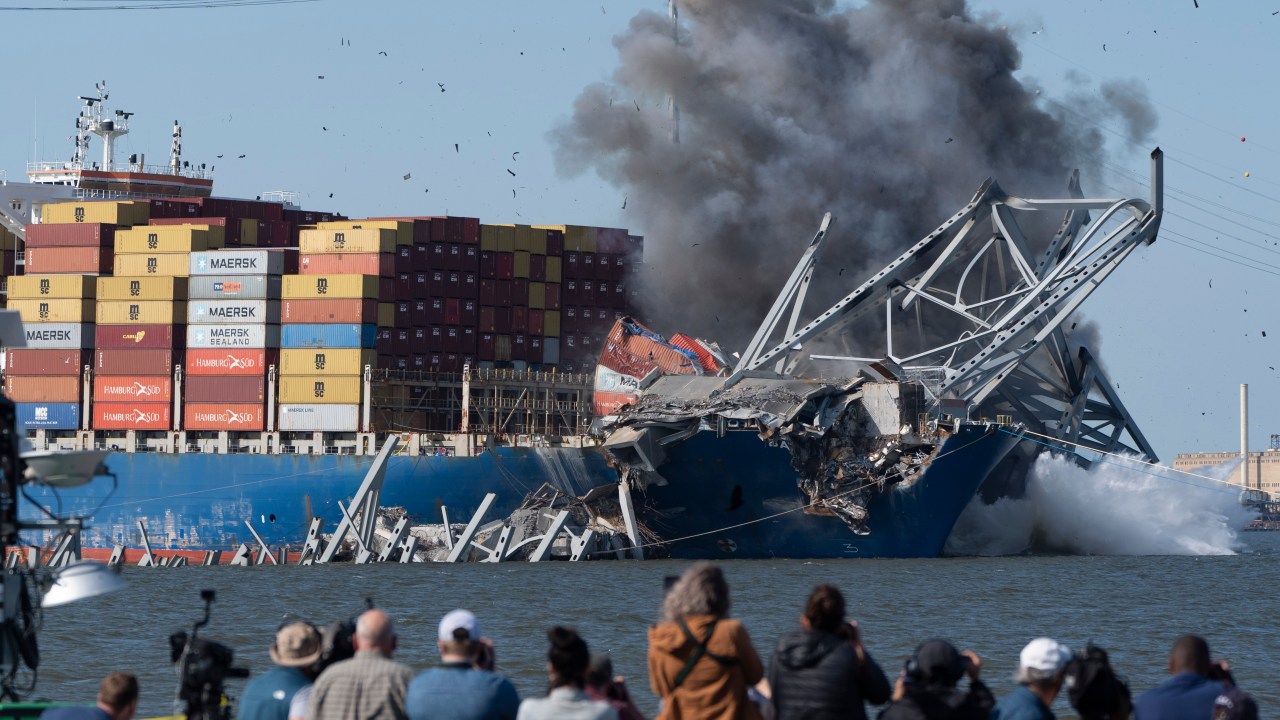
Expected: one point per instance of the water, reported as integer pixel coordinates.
(1134, 606)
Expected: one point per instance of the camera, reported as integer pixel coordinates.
(203, 666)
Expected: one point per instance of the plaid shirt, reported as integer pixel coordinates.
(369, 686)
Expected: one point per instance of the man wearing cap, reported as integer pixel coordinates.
(295, 652)
(458, 689)
(927, 688)
(1041, 668)
(369, 686)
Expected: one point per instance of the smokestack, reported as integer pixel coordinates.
(1244, 434)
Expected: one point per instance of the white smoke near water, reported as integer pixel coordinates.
(1117, 507)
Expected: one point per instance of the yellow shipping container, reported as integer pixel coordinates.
(311, 287)
(327, 362)
(152, 265)
(577, 238)
(522, 264)
(164, 239)
(248, 232)
(489, 238)
(537, 295)
(141, 312)
(365, 240)
(554, 268)
(506, 238)
(522, 238)
(74, 287)
(538, 241)
(320, 389)
(386, 314)
(403, 228)
(121, 212)
(8, 241)
(54, 311)
(551, 323)
(145, 288)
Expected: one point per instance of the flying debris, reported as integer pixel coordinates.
(408, 175)
(455, 147)
(219, 156)
(1264, 333)
(1197, 2)
(624, 201)
(324, 128)
(1241, 139)
(1246, 173)
(949, 140)
(383, 53)
(330, 194)
(1104, 47)
(240, 156)
(840, 273)
(513, 192)
(441, 86)
(320, 77)
(695, 245)
(637, 105)
(514, 154)
(509, 171)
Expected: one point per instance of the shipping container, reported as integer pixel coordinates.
(69, 287)
(329, 311)
(502, 348)
(130, 388)
(305, 287)
(167, 264)
(536, 321)
(554, 268)
(520, 264)
(326, 361)
(133, 361)
(141, 312)
(367, 240)
(345, 335)
(551, 296)
(550, 351)
(118, 212)
(577, 238)
(42, 388)
(325, 389)
(165, 239)
(227, 287)
(225, 232)
(383, 264)
(46, 362)
(138, 336)
(231, 361)
(132, 416)
(234, 417)
(387, 312)
(537, 295)
(225, 388)
(48, 416)
(81, 235)
(234, 311)
(58, 336)
(68, 260)
(243, 262)
(551, 323)
(233, 336)
(404, 229)
(142, 288)
(505, 263)
(53, 311)
(316, 418)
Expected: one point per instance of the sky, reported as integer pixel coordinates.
(340, 101)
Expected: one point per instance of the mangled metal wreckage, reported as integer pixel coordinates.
(975, 375)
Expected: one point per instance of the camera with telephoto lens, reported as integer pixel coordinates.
(203, 666)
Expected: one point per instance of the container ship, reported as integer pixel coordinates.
(246, 359)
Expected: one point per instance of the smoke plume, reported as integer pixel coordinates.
(889, 115)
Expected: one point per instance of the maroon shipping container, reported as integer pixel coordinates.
(69, 260)
(435, 311)
(133, 362)
(46, 362)
(587, 292)
(551, 295)
(484, 349)
(453, 284)
(436, 283)
(224, 389)
(519, 319)
(452, 311)
(384, 341)
(538, 268)
(386, 361)
(404, 258)
(139, 336)
(587, 265)
(571, 267)
(470, 285)
(505, 265)
(555, 243)
(418, 343)
(470, 258)
(502, 320)
(487, 321)
(446, 229)
(437, 256)
(453, 257)
(488, 292)
(570, 295)
(403, 342)
(535, 349)
(421, 286)
(619, 301)
(419, 313)
(471, 230)
(404, 314)
(404, 286)
(468, 346)
(569, 321)
(452, 339)
(71, 235)
(604, 294)
(387, 289)
(536, 321)
(421, 257)
(519, 347)
(470, 313)
(520, 291)
(502, 293)
(489, 265)
(435, 339)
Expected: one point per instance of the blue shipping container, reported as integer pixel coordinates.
(48, 416)
(328, 336)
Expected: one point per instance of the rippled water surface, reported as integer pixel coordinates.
(1132, 606)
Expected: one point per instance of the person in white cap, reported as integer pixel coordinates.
(1041, 668)
(463, 686)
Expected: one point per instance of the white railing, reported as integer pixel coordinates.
(287, 197)
(189, 172)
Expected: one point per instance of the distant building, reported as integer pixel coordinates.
(1264, 467)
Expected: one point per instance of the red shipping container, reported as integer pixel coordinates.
(468, 346)
(225, 388)
(471, 230)
(132, 388)
(502, 293)
(139, 336)
(343, 310)
(452, 311)
(487, 321)
(435, 339)
(46, 362)
(132, 416)
(232, 361)
(435, 311)
(484, 348)
(69, 260)
(488, 292)
(421, 257)
(470, 285)
(470, 258)
(535, 349)
(538, 268)
(133, 362)
(223, 416)
(535, 321)
(520, 291)
(347, 264)
(555, 243)
(519, 319)
(505, 265)
(452, 340)
(571, 267)
(519, 347)
(502, 320)
(43, 388)
(437, 256)
(470, 313)
(551, 296)
(71, 235)
(489, 265)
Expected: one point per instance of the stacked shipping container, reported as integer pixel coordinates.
(44, 380)
(521, 269)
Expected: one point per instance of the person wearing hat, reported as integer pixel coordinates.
(295, 652)
(1041, 669)
(927, 688)
(461, 688)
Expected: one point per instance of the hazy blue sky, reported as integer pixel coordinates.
(246, 81)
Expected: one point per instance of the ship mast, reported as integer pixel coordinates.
(107, 127)
(175, 150)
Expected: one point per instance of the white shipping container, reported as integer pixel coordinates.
(238, 262)
(58, 336)
(236, 335)
(319, 418)
(233, 311)
(234, 287)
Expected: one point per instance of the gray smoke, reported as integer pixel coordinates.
(889, 115)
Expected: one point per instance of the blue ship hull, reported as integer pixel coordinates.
(202, 501)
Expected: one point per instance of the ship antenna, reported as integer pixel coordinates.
(674, 14)
(175, 152)
(97, 122)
